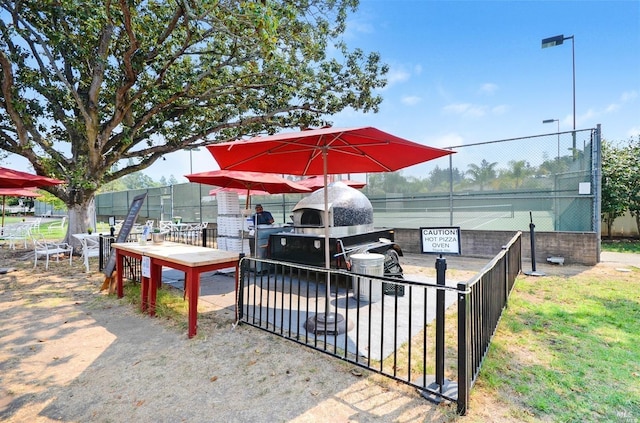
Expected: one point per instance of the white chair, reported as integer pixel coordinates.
(90, 248)
(192, 233)
(42, 247)
(59, 224)
(35, 224)
(17, 232)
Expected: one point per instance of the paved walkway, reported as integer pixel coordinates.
(627, 259)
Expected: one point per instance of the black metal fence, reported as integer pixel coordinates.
(481, 301)
(387, 325)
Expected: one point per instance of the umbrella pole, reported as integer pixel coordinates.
(3, 198)
(329, 321)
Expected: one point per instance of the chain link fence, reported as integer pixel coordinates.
(552, 180)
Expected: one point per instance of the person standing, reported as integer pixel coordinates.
(262, 217)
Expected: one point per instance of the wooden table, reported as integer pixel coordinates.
(192, 260)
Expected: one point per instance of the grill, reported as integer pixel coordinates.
(351, 231)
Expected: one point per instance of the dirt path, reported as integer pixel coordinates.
(70, 353)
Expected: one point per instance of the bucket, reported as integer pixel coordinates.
(367, 289)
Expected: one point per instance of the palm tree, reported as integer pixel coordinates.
(519, 170)
(482, 174)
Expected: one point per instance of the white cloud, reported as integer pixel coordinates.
(411, 100)
(466, 109)
(612, 108)
(447, 140)
(625, 97)
(500, 110)
(628, 96)
(488, 88)
(397, 75)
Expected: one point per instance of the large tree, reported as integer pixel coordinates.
(95, 90)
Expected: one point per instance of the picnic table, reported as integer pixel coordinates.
(191, 259)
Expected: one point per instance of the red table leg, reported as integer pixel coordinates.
(119, 267)
(154, 283)
(144, 294)
(192, 280)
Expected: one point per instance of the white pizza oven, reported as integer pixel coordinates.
(350, 212)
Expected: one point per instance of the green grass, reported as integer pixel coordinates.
(566, 349)
(621, 245)
(54, 233)
(170, 304)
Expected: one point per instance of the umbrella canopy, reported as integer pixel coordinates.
(317, 182)
(348, 150)
(322, 152)
(15, 192)
(10, 178)
(248, 181)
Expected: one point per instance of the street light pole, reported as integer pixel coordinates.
(556, 41)
(551, 121)
(556, 212)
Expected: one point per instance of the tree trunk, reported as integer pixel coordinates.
(81, 217)
(609, 221)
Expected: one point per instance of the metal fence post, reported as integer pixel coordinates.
(441, 268)
(464, 351)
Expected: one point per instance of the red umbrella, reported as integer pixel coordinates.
(348, 150)
(322, 152)
(248, 181)
(317, 182)
(10, 178)
(16, 192)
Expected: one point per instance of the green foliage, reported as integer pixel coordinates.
(482, 174)
(634, 178)
(620, 177)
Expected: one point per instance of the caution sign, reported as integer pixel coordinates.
(440, 240)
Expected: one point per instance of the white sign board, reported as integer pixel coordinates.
(146, 266)
(584, 188)
(440, 240)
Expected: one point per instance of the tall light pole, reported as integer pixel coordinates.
(556, 207)
(556, 41)
(191, 150)
(551, 121)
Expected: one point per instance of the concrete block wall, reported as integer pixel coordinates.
(576, 247)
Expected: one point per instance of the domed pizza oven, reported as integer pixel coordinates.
(351, 231)
(350, 212)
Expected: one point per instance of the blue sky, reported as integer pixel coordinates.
(463, 72)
